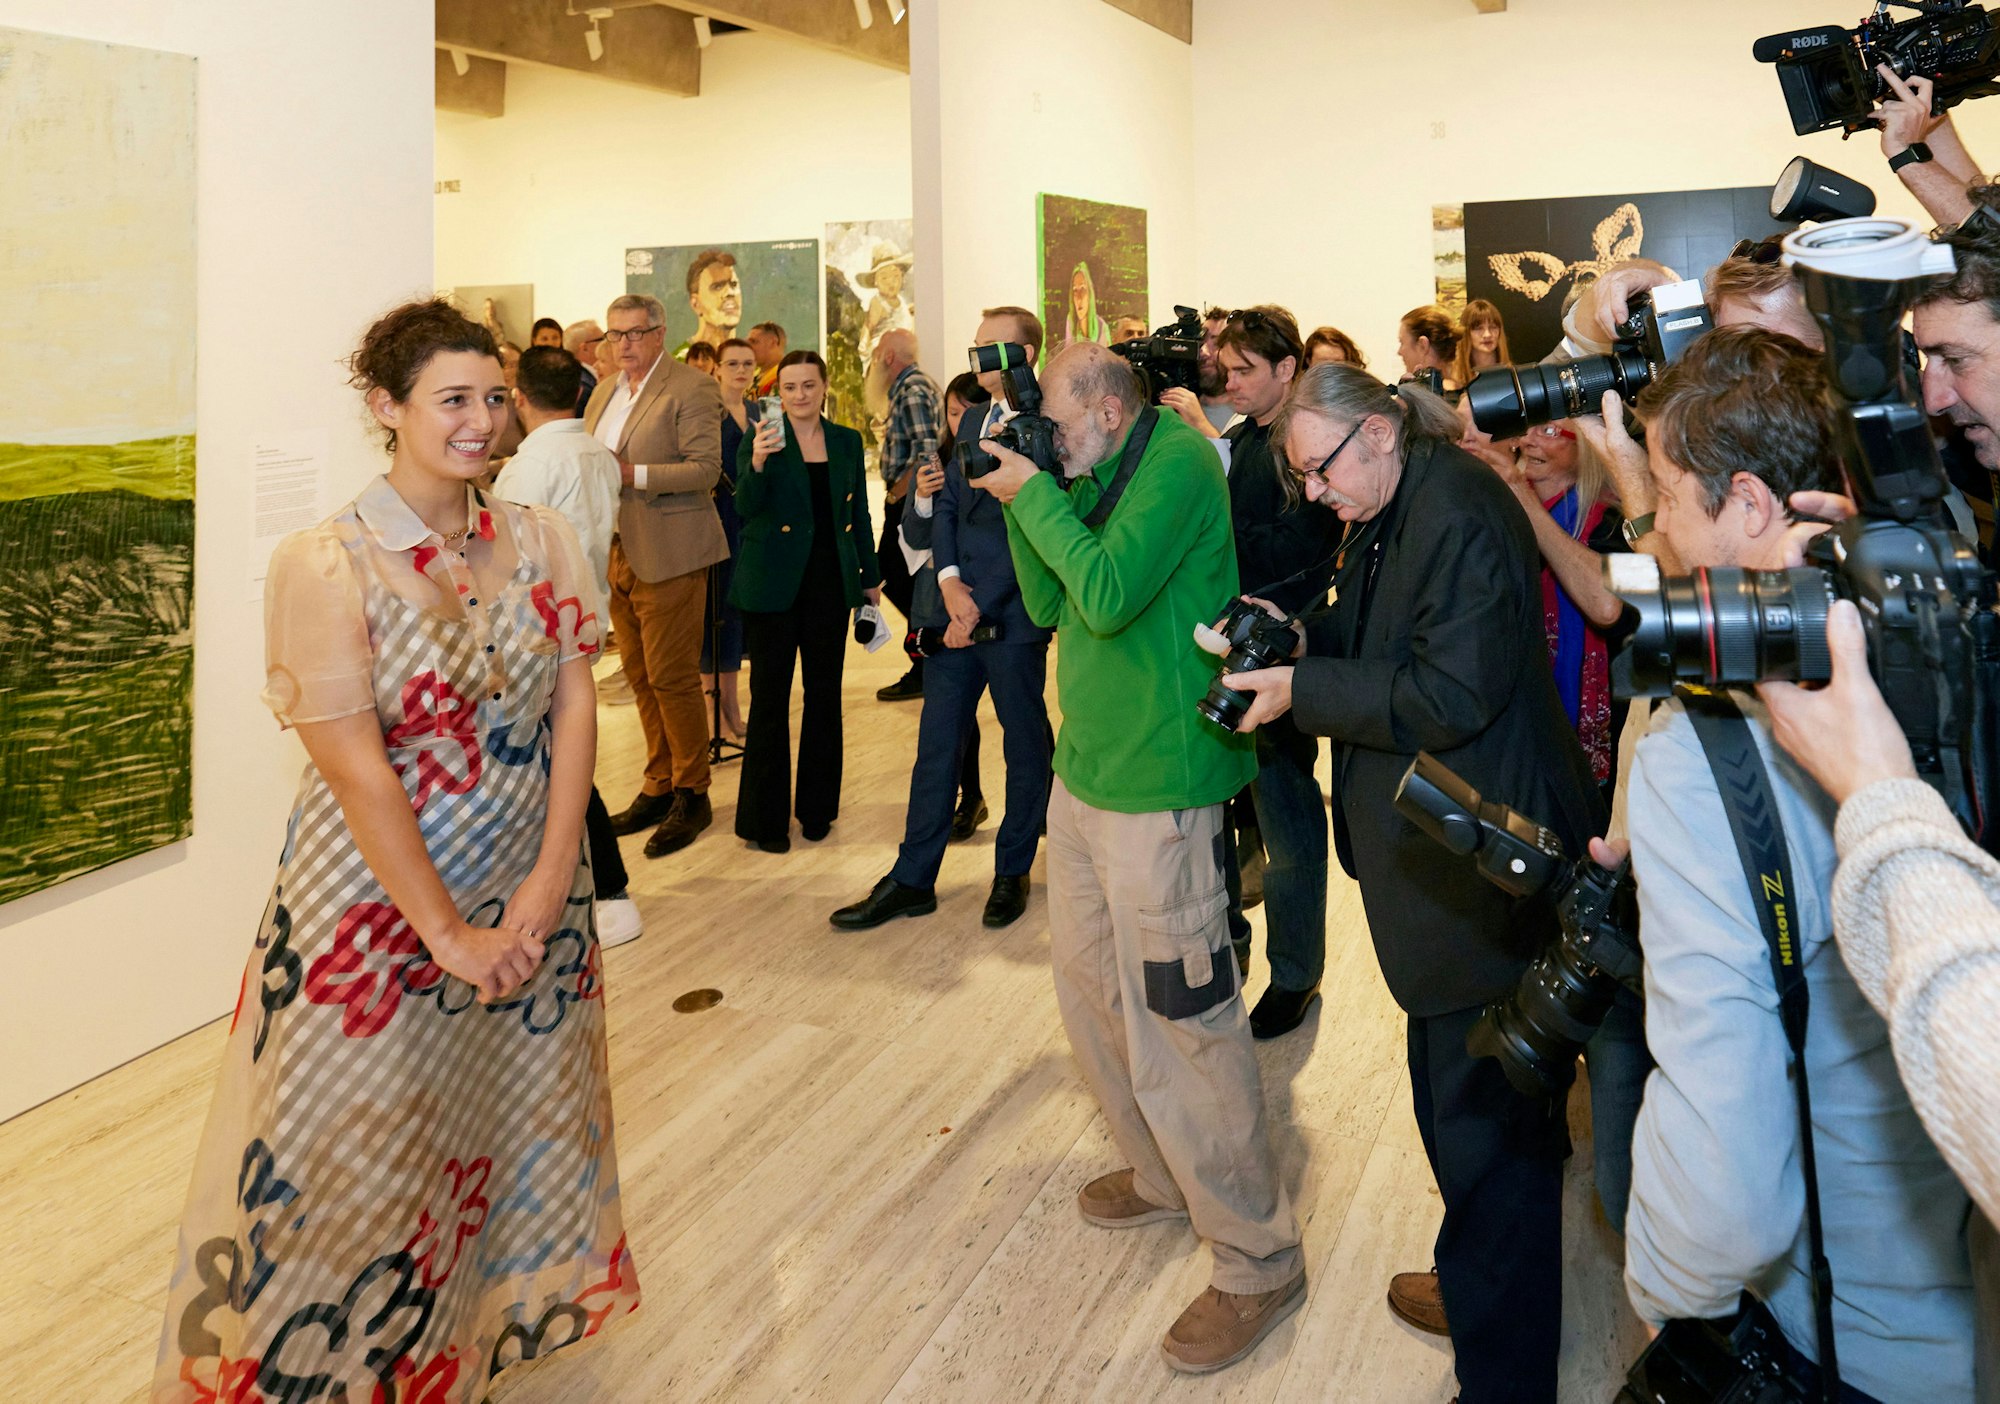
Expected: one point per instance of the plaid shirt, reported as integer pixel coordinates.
(916, 419)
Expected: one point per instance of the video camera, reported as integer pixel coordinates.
(1829, 74)
(1028, 433)
(1170, 357)
(1925, 600)
(1507, 401)
(1563, 998)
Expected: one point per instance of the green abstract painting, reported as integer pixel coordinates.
(1093, 259)
(97, 272)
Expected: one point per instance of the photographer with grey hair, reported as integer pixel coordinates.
(1436, 642)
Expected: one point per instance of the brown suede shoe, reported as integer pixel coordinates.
(1109, 1201)
(1219, 1328)
(1415, 1297)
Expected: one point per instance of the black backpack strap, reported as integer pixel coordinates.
(1760, 844)
(1128, 464)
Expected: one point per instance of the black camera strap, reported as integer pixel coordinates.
(1760, 844)
(1128, 464)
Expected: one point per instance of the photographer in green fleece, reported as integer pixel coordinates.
(1147, 982)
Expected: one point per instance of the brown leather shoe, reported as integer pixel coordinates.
(1219, 1328)
(1415, 1297)
(1109, 1201)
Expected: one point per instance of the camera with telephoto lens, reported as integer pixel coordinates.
(1028, 432)
(1507, 401)
(1256, 640)
(1829, 74)
(1538, 1031)
(1926, 602)
(1168, 359)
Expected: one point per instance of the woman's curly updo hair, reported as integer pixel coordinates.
(404, 340)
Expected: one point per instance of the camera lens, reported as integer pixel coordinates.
(1507, 401)
(1223, 705)
(1727, 627)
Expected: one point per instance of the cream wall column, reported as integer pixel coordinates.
(313, 171)
(1068, 97)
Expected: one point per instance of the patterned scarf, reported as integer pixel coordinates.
(1577, 652)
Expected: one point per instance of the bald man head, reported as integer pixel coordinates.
(1093, 396)
(896, 350)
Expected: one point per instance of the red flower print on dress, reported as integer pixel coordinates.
(234, 1381)
(432, 707)
(456, 1212)
(617, 1286)
(543, 597)
(422, 558)
(372, 948)
(430, 1385)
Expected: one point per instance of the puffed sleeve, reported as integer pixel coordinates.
(571, 611)
(318, 664)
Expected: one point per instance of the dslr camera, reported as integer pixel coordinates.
(1256, 640)
(1507, 401)
(1168, 358)
(1562, 999)
(1829, 74)
(1925, 600)
(1029, 433)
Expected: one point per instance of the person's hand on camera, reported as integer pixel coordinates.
(1608, 853)
(1609, 300)
(1622, 455)
(1906, 117)
(1827, 506)
(1010, 477)
(1843, 733)
(770, 438)
(1297, 628)
(495, 960)
(930, 478)
(1270, 690)
(1187, 405)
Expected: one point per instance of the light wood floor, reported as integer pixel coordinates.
(853, 1179)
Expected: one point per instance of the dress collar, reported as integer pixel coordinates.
(396, 526)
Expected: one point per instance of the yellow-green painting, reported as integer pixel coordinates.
(97, 276)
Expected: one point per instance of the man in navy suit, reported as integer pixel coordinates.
(968, 542)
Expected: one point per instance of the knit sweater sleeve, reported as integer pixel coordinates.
(1917, 910)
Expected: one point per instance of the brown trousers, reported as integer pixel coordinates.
(1152, 1002)
(660, 625)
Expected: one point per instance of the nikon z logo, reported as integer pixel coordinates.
(1810, 41)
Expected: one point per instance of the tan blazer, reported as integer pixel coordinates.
(670, 528)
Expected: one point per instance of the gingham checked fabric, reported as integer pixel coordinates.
(401, 1191)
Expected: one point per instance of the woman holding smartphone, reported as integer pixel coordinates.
(808, 558)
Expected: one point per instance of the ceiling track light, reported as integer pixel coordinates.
(461, 62)
(704, 32)
(897, 9)
(864, 14)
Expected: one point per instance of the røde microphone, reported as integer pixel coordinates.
(1798, 44)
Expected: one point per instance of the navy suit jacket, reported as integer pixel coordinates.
(967, 528)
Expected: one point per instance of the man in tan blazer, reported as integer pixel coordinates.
(664, 421)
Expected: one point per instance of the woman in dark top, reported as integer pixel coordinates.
(736, 369)
(807, 558)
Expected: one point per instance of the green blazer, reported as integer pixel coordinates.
(776, 507)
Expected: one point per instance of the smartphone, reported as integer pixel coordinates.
(772, 411)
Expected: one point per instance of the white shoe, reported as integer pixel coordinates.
(618, 922)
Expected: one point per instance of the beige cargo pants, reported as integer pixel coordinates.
(1151, 1000)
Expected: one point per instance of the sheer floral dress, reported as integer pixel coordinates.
(401, 1191)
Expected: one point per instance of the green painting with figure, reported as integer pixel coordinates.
(97, 270)
(1093, 261)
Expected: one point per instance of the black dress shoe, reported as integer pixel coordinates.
(776, 845)
(691, 814)
(966, 822)
(815, 832)
(1280, 1011)
(1006, 902)
(643, 813)
(908, 688)
(889, 899)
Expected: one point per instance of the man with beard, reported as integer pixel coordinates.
(911, 411)
(1210, 411)
(715, 292)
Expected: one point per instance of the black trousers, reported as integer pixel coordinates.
(811, 638)
(896, 583)
(1498, 1159)
(607, 864)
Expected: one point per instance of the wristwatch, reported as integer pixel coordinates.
(1636, 527)
(1915, 154)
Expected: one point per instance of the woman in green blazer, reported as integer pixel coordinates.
(807, 558)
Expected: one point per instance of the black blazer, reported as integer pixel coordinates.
(1452, 658)
(776, 507)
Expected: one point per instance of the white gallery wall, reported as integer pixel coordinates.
(784, 139)
(1010, 100)
(1325, 131)
(313, 171)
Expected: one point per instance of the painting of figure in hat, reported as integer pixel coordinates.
(868, 293)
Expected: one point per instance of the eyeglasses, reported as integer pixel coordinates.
(1759, 251)
(1250, 317)
(614, 337)
(1318, 474)
(1982, 223)
(1551, 431)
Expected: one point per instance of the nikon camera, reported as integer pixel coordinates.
(1028, 433)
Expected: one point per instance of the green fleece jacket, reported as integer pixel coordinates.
(1124, 600)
